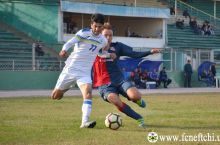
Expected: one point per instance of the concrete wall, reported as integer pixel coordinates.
(24, 80)
(39, 21)
(29, 80)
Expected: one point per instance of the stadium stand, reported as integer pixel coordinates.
(203, 9)
(206, 6)
(16, 54)
(186, 38)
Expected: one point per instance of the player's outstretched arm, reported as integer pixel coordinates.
(126, 50)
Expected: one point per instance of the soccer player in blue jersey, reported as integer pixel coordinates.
(87, 44)
(109, 79)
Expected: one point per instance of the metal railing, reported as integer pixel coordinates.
(24, 65)
(196, 12)
(133, 3)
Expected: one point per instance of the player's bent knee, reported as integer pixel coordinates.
(114, 99)
(57, 95)
(134, 94)
(53, 95)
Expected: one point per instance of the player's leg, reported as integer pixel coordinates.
(132, 93)
(111, 95)
(185, 81)
(57, 94)
(128, 90)
(126, 109)
(165, 83)
(86, 90)
(63, 84)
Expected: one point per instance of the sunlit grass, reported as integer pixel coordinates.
(39, 120)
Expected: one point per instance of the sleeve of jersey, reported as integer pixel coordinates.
(105, 42)
(128, 51)
(103, 53)
(72, 41)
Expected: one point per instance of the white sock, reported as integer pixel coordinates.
(86, 110)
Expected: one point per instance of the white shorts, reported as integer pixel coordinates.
(66, 80)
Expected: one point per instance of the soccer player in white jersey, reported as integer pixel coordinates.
(87, 44)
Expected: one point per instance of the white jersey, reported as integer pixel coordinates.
(87, 46)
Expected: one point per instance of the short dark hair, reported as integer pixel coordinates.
(98, 18)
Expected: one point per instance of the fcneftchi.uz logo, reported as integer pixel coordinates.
(152, 137)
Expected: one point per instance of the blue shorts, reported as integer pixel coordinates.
(122, 88)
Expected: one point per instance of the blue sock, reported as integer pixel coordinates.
(130, 112)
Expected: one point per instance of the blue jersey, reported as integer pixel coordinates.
(107, 71)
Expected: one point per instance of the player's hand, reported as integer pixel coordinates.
(155, 50)
(113, 56)
(63, 54)
(106, 48)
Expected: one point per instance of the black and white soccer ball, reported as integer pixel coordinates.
(113, 121)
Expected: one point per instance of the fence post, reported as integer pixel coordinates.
(13, 65)
(175, 8)
(60, 65)
(33, 57)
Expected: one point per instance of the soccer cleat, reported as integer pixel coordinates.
(142, 126)
(141, 103)
(90, 124)
(141, 123)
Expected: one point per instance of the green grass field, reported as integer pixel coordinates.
(42, 121)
